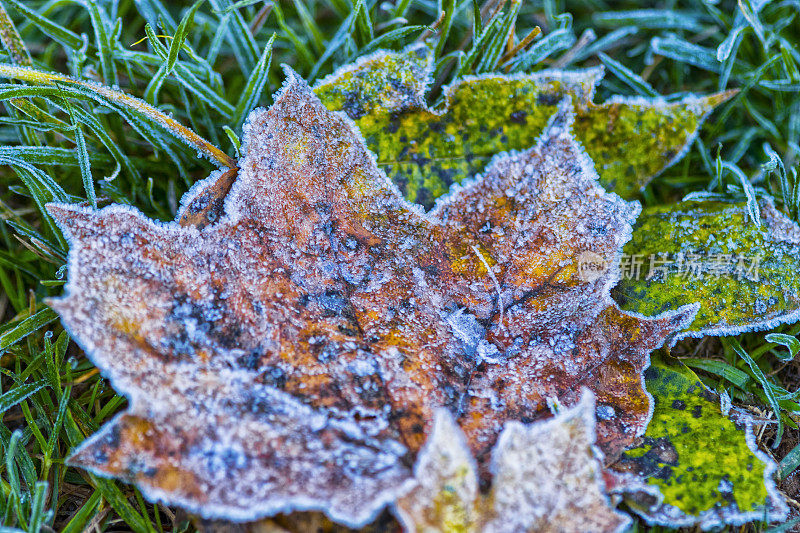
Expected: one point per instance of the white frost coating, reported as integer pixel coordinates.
(277, 359)
(583, 81)
(445, 474)
(195, 190)
(696, 104)
(421, 83)
(547, 477)
(673, 517)
(533, 468)
(783, 231)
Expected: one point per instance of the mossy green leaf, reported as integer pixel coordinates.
(705, 464)
(426, 149)
(744, 275)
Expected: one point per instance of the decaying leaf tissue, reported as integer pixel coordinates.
(308, 338)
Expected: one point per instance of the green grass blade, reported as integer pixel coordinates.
(12, 42)
(255, 86)
(103, 93)
(26, 327)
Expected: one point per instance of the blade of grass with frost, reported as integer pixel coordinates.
(14, 93)
(81, 518)
(50, 251)
(140, 59)
(185, 76)
(85, 166)
(44, 181)
(364, 24)
(121, 159)
(59, 33)
(790, 62)
(14, 396)
(477, 19)
(392, 36)
(655, 19)
(632, 80)
(103, 94)
(496, 47)
(605, 42)
(237, 144)
(765, 383)
(744, 137)
(449, 8)
(143, 128)
(789, 463)
(38, 114)
(180, 35)
(43, 155)
(38, 515)
(312, 29)
(42, 189)
(12, 42)
(490, 30)
(154, 86)
(11, 470)
(686, 52)
(722, 369)
(239, 36)
(339, 38)
(154, 11)
(791, 343)
(775, 164)
(302, 51)
(729, 58)
(763, 121)
(255, 85)
(55, 431)
(100, 24)
(24, 463)
(752, 202)
(555, 42)
(751, 14)
(9, 261)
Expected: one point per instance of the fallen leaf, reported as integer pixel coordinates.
(707, 466)
(424, 150)
(292, 355)
(547, 477)
(744, 275)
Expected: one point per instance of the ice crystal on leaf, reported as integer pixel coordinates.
(547, 477)
(744, 275)
(707, 467)
(425, 149)
(293, 354)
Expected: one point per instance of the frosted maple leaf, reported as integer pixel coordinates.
(293, 354)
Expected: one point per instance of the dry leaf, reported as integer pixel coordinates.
(292, 355)
(546, 478)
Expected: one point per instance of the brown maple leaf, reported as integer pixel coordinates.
(292, 354)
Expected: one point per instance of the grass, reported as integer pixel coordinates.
(205, 65)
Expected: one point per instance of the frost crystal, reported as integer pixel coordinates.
(425, 150)
(546, 477)
(292, 353)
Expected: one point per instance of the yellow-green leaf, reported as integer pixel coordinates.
(705, 464)
(425, 149)
(744, 275)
